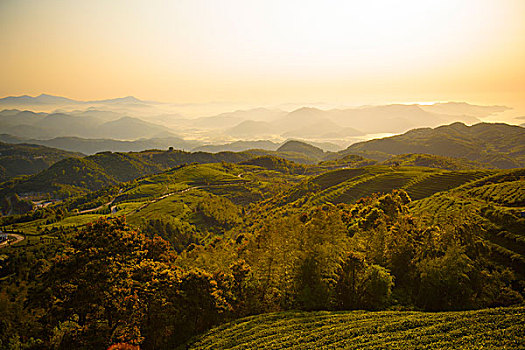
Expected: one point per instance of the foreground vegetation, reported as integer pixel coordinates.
(159, 259)
(501, 328)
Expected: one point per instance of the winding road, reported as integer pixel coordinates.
(18, 238)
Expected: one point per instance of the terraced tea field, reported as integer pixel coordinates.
(348, 185)
(501, 328)
(498, 207)
(428, 184)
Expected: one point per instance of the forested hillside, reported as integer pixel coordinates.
(79, 175)
(500, 145)
(174, 253)
(25, 159)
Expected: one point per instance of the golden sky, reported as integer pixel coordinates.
(267, 51)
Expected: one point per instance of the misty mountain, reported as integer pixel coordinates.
(128, 128)
(60, 124)
(88, 124)
(252, 129)
(314, 123)
(463, 108)
(239, 146)
(96, 113)
(118, 100)
(230, 119)
(10, 117)
(499, 145)
(300, 117)
(322, 129)
(301, 123)
(42, 99)
(45, 99)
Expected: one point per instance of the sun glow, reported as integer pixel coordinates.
(266, 51)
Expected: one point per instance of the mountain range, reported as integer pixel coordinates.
(129, 118)
(498, 144)
(28, 124)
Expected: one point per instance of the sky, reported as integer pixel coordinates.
(266, 52)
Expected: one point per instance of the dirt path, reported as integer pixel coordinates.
(18, 238)
(164, 196)
(101, 206)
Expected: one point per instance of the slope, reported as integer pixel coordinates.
(500, 145)
(73, 176)
(26, 159)
(491, 328)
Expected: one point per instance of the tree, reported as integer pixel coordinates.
(106, 287)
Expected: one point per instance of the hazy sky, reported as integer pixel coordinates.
(266, 52)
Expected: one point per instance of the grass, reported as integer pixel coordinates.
(500, 328)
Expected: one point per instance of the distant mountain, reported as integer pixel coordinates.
(60, 124)
(27, 159)
(302, 123)
(230, 119)
(10, 117)
(301, 117)
(321, 129)
(97, 113)
(59, 100)
(251, 129)
(128, 128)
(377, 119)
(239, 146)
(42, 99)
(500, 145)
(87, 124)
(343, 124)
(92, 146)
(127, 99)
(463, 108)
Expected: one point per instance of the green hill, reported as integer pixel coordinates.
(434, 161)
(276, 163)
(496, 202)
(301, 147)
(348, 185)
(26, 159)
(500, 145)
(500, 328)
(80, 175)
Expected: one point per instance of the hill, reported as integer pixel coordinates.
(226, 240)
(495, 201)
(26, 159)
(500, 145)
(92, 146)
(301, 147)
(239, 146)
(275, 163)
(348, 185)
(491, 328)
(433, 161)
(79, 175)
